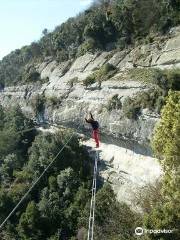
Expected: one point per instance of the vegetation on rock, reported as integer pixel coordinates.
(128, 22)
(104, 73)
(114, 103)
(154, 99)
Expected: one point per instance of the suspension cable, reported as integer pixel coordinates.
(93, 201)
(37, 180)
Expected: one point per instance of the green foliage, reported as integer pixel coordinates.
(114, 103)
(166, 146)
(88, 45)
(13, 138)
(8, 142)
(136, 19)
(106, 68)
(57, 206)
(29, 223)
(6, 203)
(146, 75)
(165, 79)
(45, 147)
(16, 120)
(166, 137)
(30, 74)
(131, 109)
(89, 80)
(149, 196)
(13, 134)
(104, 73)
(12, 66)
(152, 99)
(53, 101)
(7, 168)
(114, 220)
(173, 79)
(91, 31)
(57, 202)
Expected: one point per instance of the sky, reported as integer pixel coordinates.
(22, 21)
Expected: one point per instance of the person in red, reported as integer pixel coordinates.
(95, 128)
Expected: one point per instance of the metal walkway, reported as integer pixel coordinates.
(93, 200)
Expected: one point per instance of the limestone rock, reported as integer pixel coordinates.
(76, 100)
(170, 57)
(127, 159)
(126, 170)
(173, 43)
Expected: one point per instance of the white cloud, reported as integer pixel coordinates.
(85, 2)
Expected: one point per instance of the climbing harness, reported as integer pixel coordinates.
(93, 200)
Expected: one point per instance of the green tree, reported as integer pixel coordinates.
(166, 141)
(166, 145)
(29, 222)
(5, 203)
(113, 220)
(7, 168)
(17, 134)
(8, 142)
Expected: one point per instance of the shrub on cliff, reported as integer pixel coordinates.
(38, 104)
(131, 108)
(114, 103)
(89, 80)
(152, 99)
(53, 101)
(173, 78)
(145, 75)
(92, 30)
(30, 74)
(104, 73)
(88, 46)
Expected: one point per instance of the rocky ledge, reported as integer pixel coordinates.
(71, 100)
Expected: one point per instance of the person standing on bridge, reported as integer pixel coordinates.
(95, 128)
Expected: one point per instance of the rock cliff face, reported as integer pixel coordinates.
(65, 82)
(75, 100)
(126, 170)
